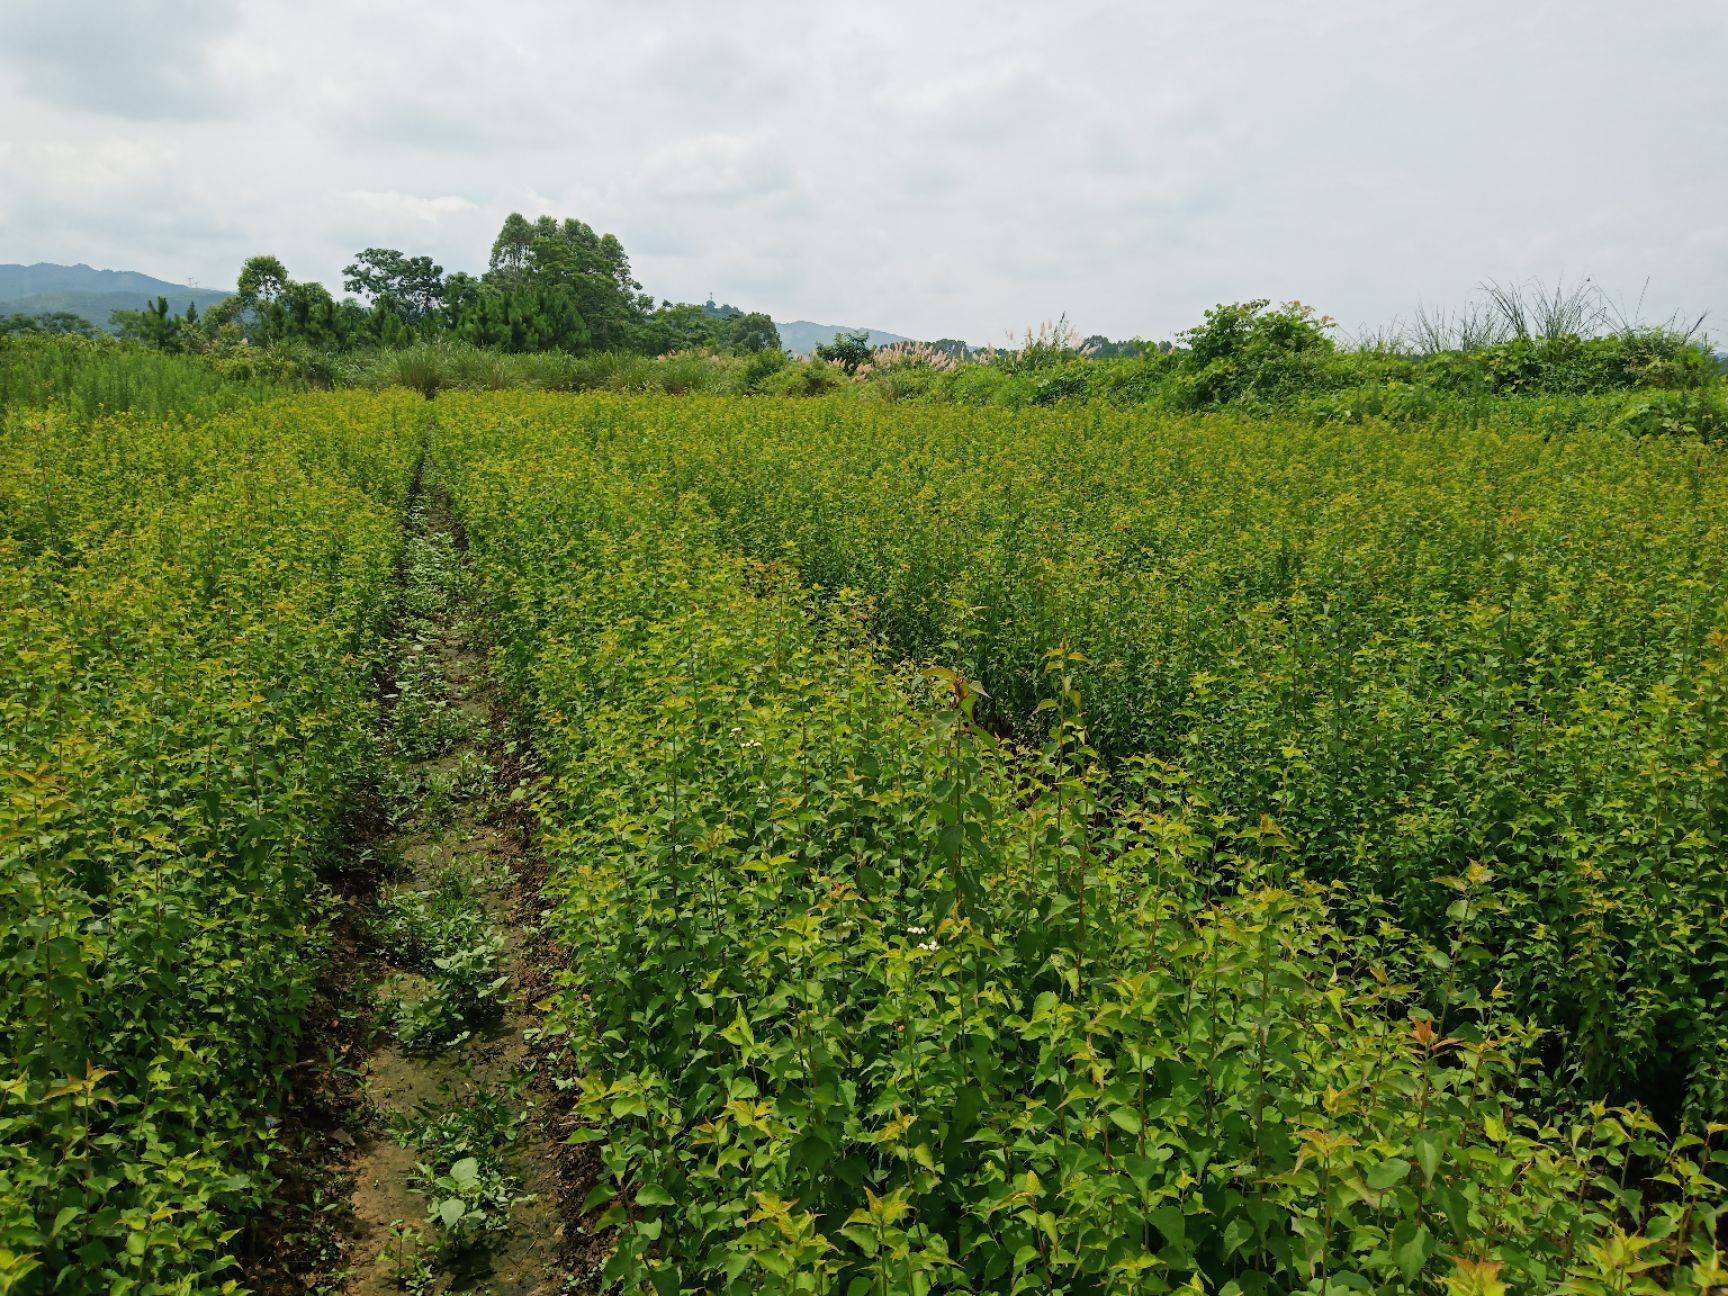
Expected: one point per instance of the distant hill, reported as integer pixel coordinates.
(801, 337)
(93, 294)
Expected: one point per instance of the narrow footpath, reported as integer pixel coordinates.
(454, 1175)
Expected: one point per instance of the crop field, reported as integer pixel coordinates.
(190, 617)
(967, 849)
(1414, 649)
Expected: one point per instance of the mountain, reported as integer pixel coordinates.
(801, 337)
(94, 294)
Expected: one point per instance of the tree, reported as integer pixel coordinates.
(572, 267)
(48, 322)
(511, 249)
(152, 325)
(753, 332)
(271, 307)
(848, 350)
(307, 313)
(413, 287)
(1100, 347)
(675, 326)
(262, 279)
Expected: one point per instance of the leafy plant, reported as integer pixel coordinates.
(463, 1167)
(863, 999)
(191, 616)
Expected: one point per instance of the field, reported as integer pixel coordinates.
(968, 849)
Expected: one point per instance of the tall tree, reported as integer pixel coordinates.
(412, 286)
(753, 332)
(262, 280)
(569, 264)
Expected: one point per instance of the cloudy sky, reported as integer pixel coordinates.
(931, 168)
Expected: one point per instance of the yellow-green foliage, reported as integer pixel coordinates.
(1418, 648)
(866, 1002)
(189, 620)
(1299, 839)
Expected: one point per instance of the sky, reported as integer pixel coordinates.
(934, 169)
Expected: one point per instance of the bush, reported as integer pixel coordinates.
(1573, 365)
(1702, 415)
(100, 375)
(190, 618)
(756, 372)
(848, 350)
(1425, 646)
(1247, 351)
(811, 378)
(861, 999)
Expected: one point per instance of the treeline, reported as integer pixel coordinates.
(549, 285)
(1252, 357)
(559, 309)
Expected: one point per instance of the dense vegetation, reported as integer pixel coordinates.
(187, 626)
(865, 1001)
(1651, 379)
(558, 308)
(92, 376)
(1092, 849)
(550, 286)
(1416, 649)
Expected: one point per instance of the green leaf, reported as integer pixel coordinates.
(1428, 1156)
(1388, 1174)
(1171, 1222)
(1411, 1247)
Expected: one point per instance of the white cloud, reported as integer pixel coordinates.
(715, 168)
(412, 206)
(955, 169)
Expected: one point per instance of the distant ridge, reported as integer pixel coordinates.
(801, 337)
(93, 294)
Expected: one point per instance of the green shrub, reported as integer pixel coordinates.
(811, 378)
(861, 999)
(190, 622)
(1568, 364)
(97, 375)
(1478, 636)
(1701, 415)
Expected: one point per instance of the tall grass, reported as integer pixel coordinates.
(447, 365)
(97, 375)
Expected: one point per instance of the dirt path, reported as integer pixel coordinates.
(453, 1177)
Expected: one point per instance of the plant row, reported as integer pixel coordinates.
(190, 620)
(865, 1000)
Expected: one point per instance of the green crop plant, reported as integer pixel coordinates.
(1077, 850)
(864, 996)
(190, 618)
(1416, 647)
